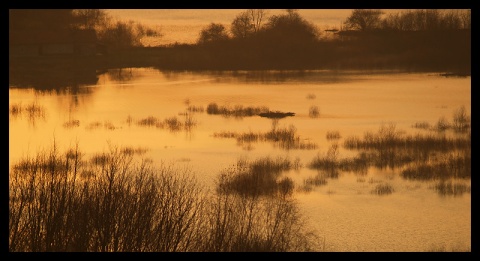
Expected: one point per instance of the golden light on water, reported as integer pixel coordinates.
(208, 121)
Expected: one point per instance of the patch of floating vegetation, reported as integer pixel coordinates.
(71, 124)
(236, 111)
(33, 111)
(284, 138)
(314, 112)
(276, 114)
(259, 177)
(460, 122)
(451, 188)
(382, 189)
(333, 135)
(419, 156)
(173, 123)
(97, 125)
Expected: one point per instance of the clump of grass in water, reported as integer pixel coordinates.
(422, 125)
(259, 177)
(314, 112)
(284, 138)
(149, 121)
(237, 111)
(16, 109)
(311, 96)
(383, 189)
(461, 122)
(451, 187)
(173, 123)
(448, 166)
(71, 124)
(333, 135)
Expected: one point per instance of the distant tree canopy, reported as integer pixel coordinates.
(111, 32)
(290, 27)
(430, 19)
(254, 24)
(213, 33)
(409, 20)
(364, 19)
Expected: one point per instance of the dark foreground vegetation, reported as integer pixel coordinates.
(413, 40)
(112, 202)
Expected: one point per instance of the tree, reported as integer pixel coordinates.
(257, 16)
(90, 18)
(290, 27)
(248, 23)
(213, 33)
(364, 19)
(242, 26)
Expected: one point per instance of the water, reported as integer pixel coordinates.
(344, 212)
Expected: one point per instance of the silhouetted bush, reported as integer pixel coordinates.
(114, 203)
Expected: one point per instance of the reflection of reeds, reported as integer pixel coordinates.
(311, 96)
(316, 181)
(449, 166)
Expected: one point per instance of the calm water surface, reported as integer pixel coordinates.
(344, 212)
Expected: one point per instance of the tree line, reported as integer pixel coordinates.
(109, 31)
(420, 39)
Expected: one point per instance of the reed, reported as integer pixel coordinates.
(284, 138)
(236, 111)
(112, 202)
(259, 177)
(383, 189)
(451, 188)
(333, 135)
(314, 112)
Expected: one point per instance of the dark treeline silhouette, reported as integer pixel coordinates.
(411, 40)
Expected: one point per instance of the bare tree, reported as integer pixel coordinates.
(90, 18)
(242, 25)
(364, 19)
(257, 17)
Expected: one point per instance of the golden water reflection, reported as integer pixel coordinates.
(164, 114)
